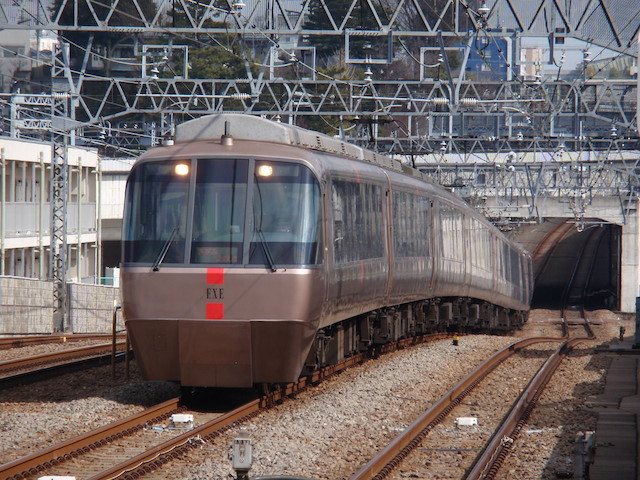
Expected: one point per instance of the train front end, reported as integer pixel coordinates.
(222, 279)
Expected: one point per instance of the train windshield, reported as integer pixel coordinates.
(286, 210)
(242, 211)
(156, 212)
(219, 211)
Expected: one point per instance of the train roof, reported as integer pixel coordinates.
(237, 126)
(248, 127)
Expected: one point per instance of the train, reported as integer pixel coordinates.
(255, 251)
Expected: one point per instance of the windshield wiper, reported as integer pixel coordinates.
(165, 248)
(267, 250)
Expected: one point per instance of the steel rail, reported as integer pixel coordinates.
(33, 464)
(47, 372)
(24, 341)
(491, 459)
(158, 455)
(383, 463)
(175, 447)
(25, 362)
(178, 446)
(493, 455)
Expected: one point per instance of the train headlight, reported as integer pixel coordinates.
(182, 169)
(265, 170)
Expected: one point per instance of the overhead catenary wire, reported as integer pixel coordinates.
(242, 54)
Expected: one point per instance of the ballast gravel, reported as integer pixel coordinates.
(328, 431)
(37, 416)
(331, 430)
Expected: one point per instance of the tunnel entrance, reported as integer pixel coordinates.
(581, 269)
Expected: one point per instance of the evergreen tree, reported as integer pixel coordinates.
(125, 14)
(360, 17)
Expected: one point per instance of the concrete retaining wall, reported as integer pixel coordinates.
(92, 308)
(26, 307)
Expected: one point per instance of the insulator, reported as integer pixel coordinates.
(469, 101)
(439, 101)
(484, 9)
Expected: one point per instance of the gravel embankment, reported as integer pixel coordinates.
(335, 429)
(329, 430)
(544, 449)
(449, 450)
(42, 414)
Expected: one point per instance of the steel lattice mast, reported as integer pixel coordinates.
(59, 194)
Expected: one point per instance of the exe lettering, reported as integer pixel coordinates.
(215, 293)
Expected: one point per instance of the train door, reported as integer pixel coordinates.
(432, 244)
(436, 243)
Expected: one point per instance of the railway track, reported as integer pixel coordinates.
(25, 370)
(131, 455)
(489, 462)
(491, 457)
(129, 463)
(49, 458)
(25, 341)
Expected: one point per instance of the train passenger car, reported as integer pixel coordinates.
(253, 250)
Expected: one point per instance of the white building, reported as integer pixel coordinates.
(114, 179)
(25, 211)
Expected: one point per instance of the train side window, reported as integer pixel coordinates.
(515, 267)
(410, 225)
(481, 261)
(156, 212)
(357, 221)
(219, 211)
(506, 272)
(452, 222)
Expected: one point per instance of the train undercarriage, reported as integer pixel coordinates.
(337, 342)
(458, 315)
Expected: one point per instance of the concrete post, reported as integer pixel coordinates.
(42, 275)
(3, 176)
(79, 204)
(629, 268)
(98, 266)
(636, 344)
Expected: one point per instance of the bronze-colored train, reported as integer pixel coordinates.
(253, 250)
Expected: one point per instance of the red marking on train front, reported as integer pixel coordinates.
(215, 311)
(215, 276)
